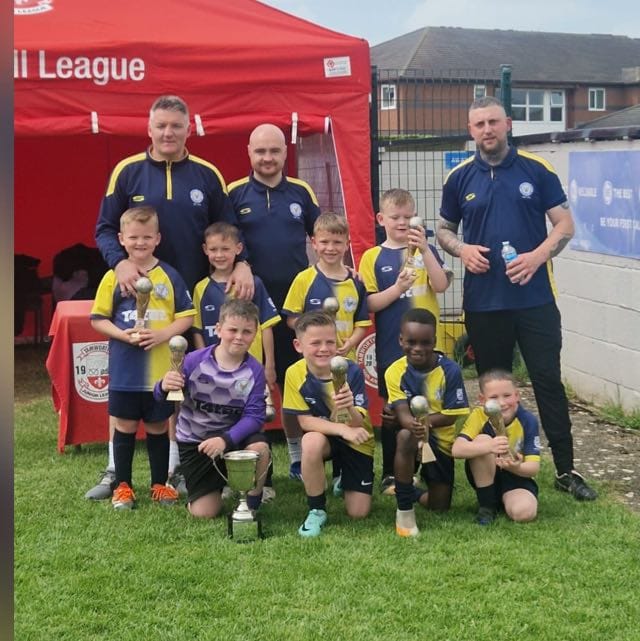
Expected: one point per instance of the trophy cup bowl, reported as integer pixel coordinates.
(244, 526)
(177, 347)
(339, 367)
(143, 287)
(419, 406)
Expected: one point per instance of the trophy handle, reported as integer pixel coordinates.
(213, 460)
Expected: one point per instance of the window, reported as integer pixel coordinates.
(537, 105)
(387, 96)
(597, 100)
(479, 91)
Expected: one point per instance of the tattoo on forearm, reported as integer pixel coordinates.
(560, 245)
(447, 234)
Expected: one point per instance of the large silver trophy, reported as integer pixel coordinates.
(331, 306)
(177, 347)
(419, 406)
(494, 414)
(143, 287)
(339, 367)
(244, 525)
(410, 262)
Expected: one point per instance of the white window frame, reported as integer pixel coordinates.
(594, 93)
(385, 103)
(547, 105)
(479, 91)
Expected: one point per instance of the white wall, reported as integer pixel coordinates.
(599, 297)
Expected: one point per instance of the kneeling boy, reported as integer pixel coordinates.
(223, 410)
(308, 393)
(491, 470)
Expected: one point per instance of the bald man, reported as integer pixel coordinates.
(276, 215)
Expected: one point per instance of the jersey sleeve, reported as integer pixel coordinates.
(183, 303)
(198, 293)
(268, 314)
(449, 208)
(103, 302)
(367, 270)
(531, 445)
(293, 401)
(294, 302)
(361, 316)
(392, 378)
(455, 400)
(474, 425)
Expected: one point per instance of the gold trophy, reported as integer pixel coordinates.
(177, 347)
(331, 306)
(410, 262)
(244, 525)
(143, 287)
(339, 366)
(492, 410)
(419, 406)
(271, 410)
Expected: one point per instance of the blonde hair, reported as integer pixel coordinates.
(144, 214)
(331, 222)
(495, 375)
(397, 197)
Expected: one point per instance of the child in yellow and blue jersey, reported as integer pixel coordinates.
(393, 290)
(222, 245)
(139, 356)
(330, 278)
(309, 395)
(422, 371)
(491, 470)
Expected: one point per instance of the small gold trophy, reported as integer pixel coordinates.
(419, 407)
(410, 262)
(271, 410)
(492, 410)
(143, 287)
(339, 366)
(177, 347)
(331, 306)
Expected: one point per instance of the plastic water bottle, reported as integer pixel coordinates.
(508, 252)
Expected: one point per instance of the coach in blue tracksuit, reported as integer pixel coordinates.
(499, 194)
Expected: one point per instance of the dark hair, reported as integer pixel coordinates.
(419, 315)
(495, 375)
(312, 319)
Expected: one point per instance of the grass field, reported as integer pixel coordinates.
(85, 572)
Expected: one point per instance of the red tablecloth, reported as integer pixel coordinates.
(78, 365)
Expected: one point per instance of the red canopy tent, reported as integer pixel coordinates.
(86, 74)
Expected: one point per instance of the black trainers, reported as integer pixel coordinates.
(485, 516)
(575, 485)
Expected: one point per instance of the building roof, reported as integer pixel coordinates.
(535, 56)
(629, 117)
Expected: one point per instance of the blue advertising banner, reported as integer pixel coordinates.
(604, 192)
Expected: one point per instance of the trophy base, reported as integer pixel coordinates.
(245, 530)
(175, 395)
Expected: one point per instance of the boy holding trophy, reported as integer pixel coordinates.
(327, 394)
(501, 444)
(330, 286)
(223, 409)
(427, 393)
(139, 329)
